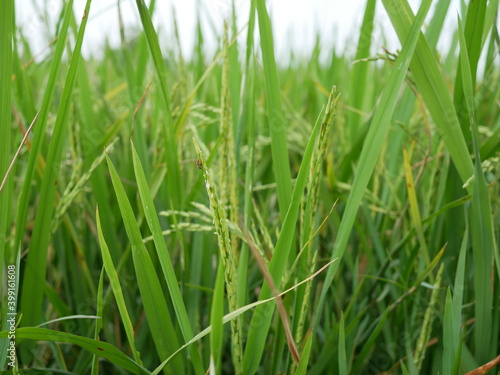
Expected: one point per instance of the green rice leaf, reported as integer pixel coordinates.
(473, 38)
(304, 357)
(98, 324)
(235, 314)
(261, 319)
(117, 290)
(414, 209)
(367, 347)
(36, 261)
(373, 145)
(164, 258)
(448, 339)
(432, 86)
(434, 30)
(99, 348)
(342, 353)
(39, 134)
(358, 85)
(276, 120)
(155, 305)
(458, 290)
(483, 237)
(217, 313)
(162, 74)
(6, 68)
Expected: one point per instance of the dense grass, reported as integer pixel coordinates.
(161, 205)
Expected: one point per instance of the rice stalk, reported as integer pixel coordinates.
(229, 184)
(310, 206)
(74, 190)
(429, 316)
(227, 257)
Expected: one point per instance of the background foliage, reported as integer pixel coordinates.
(156, 198)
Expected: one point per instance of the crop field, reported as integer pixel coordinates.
(237, 212)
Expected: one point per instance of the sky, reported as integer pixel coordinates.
(295, 23)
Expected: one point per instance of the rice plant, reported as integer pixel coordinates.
(238, 212)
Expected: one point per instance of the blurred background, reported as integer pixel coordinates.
(297, 24)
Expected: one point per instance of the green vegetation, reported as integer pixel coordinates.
(240, 214)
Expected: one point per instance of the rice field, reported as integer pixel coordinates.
(238, 213)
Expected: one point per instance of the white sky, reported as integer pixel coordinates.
(295, 22)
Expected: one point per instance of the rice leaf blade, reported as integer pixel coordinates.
(6, 68)
(483, 237)
(162, 75)
(432, 86)
(164, 258)
(36, 261)
(217, 313)
(155, 305)
(99, 348)
(373, 145)
(276, 120)
(117, 290)
(263, 314)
